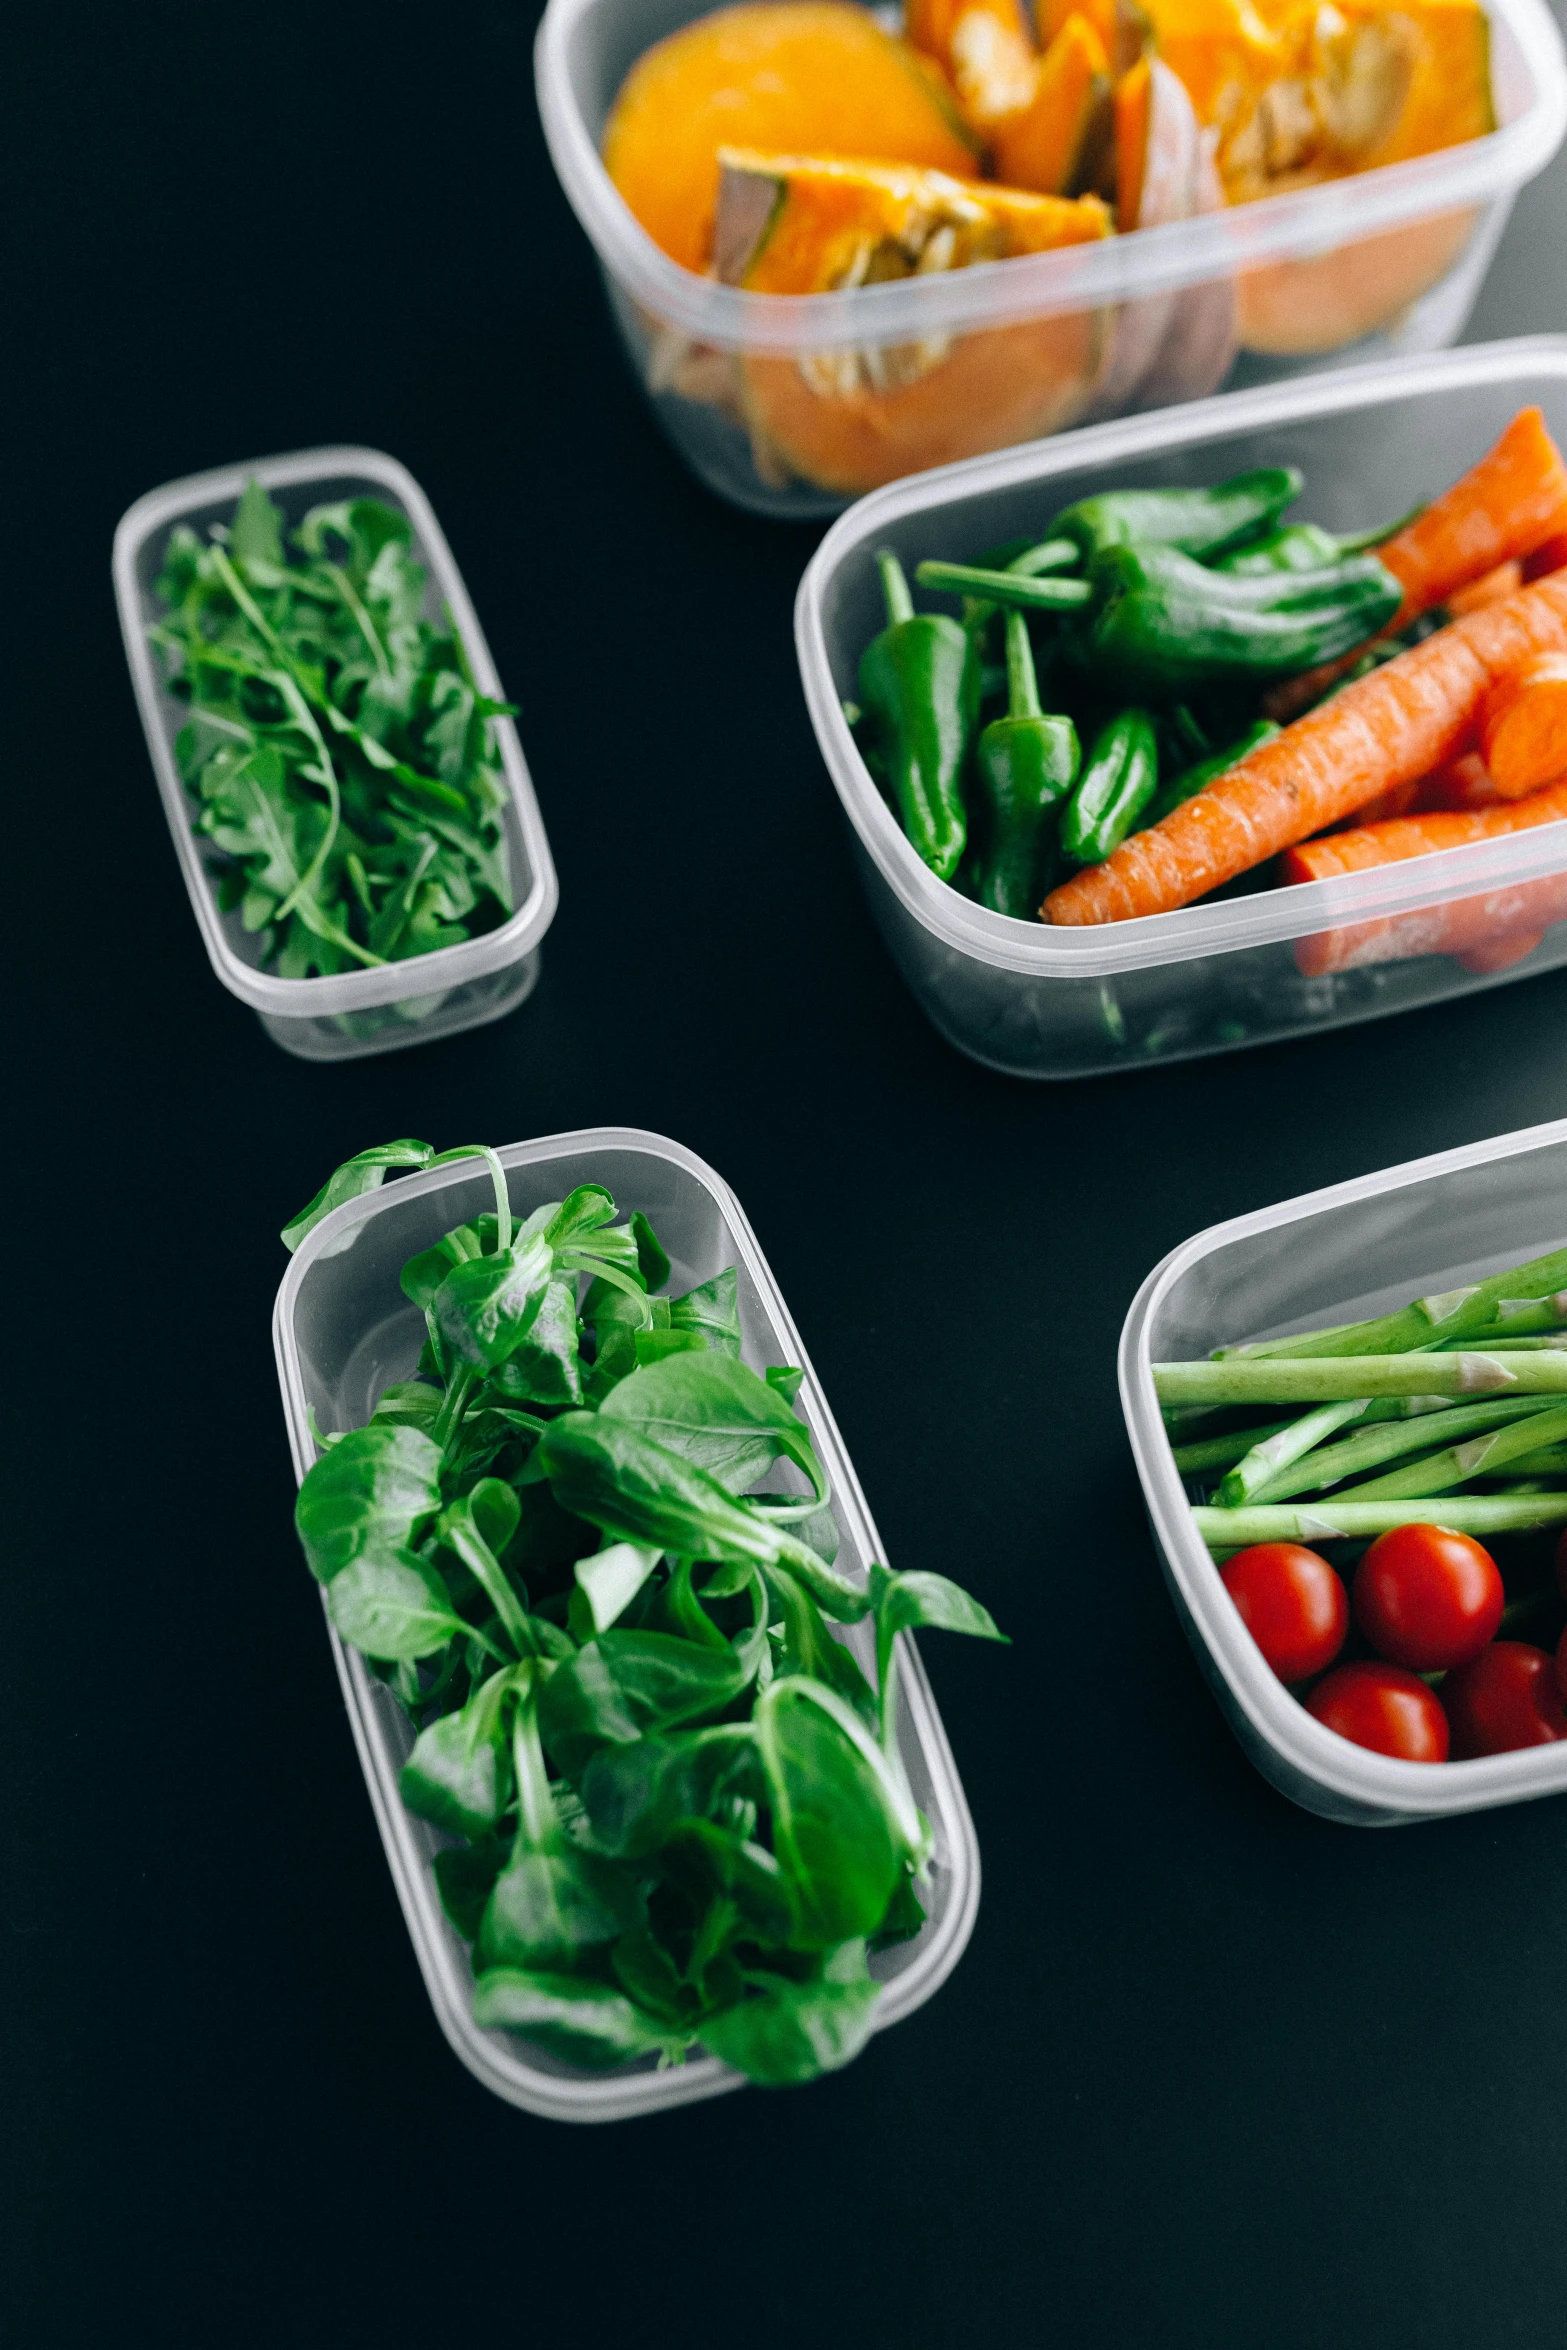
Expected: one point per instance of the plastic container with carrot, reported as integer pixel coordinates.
(1236, 966)
(1429, 679)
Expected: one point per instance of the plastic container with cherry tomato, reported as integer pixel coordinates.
(1422, 1672)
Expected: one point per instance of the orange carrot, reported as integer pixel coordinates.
(1500, 954)
(1505, 580)
(1418, 836)
(1523, 727)
(1487, 933)
(1501, 510)
(1399, 723)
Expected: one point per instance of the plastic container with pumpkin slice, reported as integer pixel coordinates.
(1335, 164)
(1297, 95)
(851, 419)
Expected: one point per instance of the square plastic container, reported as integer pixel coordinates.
(1388, 262)
(344, 1331)
(348, 1014)
(1040, 1002)
(1426, 1227)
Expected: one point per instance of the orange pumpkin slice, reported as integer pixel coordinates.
(1056, 142)
(1302, 92)
(986, 48)
(775, 74)
(1361, 84)
(1122, 27)
(1354, 86)
(850, 419)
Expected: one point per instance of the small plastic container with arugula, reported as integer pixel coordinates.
(337, 762)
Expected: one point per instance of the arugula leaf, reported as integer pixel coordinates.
(337, 751)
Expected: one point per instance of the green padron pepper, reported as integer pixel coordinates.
(1118, 782)
(1305, 546)
(1161, 623)
(1198, 522)
(1192, 780)
(919, 680)
(1024, 766)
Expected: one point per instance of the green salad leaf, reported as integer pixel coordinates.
(341, 759)
(593, 1553)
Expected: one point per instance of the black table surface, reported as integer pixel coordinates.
(1213, 2070)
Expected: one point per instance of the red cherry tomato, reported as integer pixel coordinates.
(1505, 1699)
(1385, 1708)
(1561, 1666)
(1428, 1598)
(1291, 1603)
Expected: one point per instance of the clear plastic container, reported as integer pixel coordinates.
(1388, 262)
(344, 1331)
(1040, 1002)
(348, 1014)
(1418, 1229)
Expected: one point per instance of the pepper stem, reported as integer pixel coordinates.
(1049, 555)
(894, 586)
(1022, 685)
(1006, 587)
(1358, 541)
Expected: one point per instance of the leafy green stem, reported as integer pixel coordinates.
(538, 1825)
(362, 619)
(454, 1403)
(482, 1150)
(463, 1536)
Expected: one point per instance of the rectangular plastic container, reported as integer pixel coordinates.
(344, 1331)
(1040, 1002)
(1398, 254)
(348, 1014)
(1416, 1230)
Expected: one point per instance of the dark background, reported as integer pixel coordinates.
(1213, 2071)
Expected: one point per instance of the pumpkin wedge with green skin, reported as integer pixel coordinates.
(1061, 140)
(797, 75)
(849, 419)
(984, 47)
(1045, 119)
